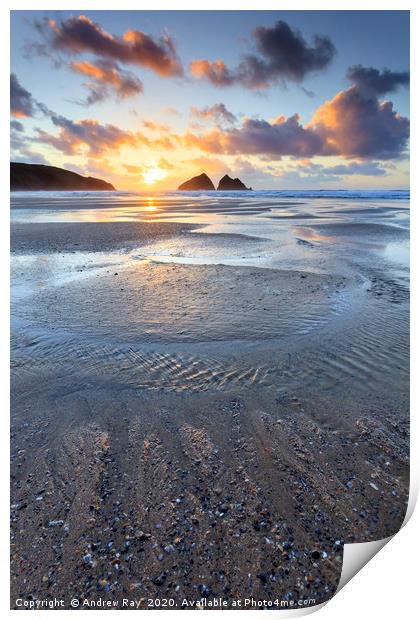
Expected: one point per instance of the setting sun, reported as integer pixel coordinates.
(152, 175)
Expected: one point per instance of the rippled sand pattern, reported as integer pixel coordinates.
(366, 356)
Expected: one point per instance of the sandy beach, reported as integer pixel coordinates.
(202, 408)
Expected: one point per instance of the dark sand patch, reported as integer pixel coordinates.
(110, 236)
(89, 236)
(223, 237)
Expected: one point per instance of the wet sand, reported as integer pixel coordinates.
(193, 431)
(120, 492)
(88, 236)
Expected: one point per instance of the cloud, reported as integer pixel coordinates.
(153, 126)
(371, 81)
(373, 169)
(285, 136)
(250, 173)
(86, 136)
(21, 102)
(89, 137)
(305, 178)
(77, 35)
(356, 125)
(285, 56)
(353, 124)
(308, 93)
(28, 156)
(308, 173)
(370, 168)
(105, 76)
(215, 72)
(21, 146)
(133, 169)
(17, 126)
(211, 165)
(165, 164)
(282, 56)
(217, 112)
(99, 166)
(171, 110)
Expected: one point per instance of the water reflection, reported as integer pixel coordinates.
(294, 231)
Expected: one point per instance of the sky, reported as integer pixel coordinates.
(280, 99)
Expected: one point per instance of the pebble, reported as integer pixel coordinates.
(205, 590)
(160, 579)
(56, 523)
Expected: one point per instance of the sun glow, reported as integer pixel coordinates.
(150, 206)
(153, 174)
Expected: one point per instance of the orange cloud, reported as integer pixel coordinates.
(356, 124)
(153, 126)
(165, 164)
(104, 75)
(216, 72)
(353, 124)
(133, 169)
(76, 35)
(89, 137)
(88, 69)
(260, 137)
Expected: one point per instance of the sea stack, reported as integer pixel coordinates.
(202, 181)
(226, 183)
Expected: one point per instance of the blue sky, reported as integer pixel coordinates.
(301, 153)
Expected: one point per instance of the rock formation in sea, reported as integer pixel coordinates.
(202, 181)
(30, 177)
(226, 183)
